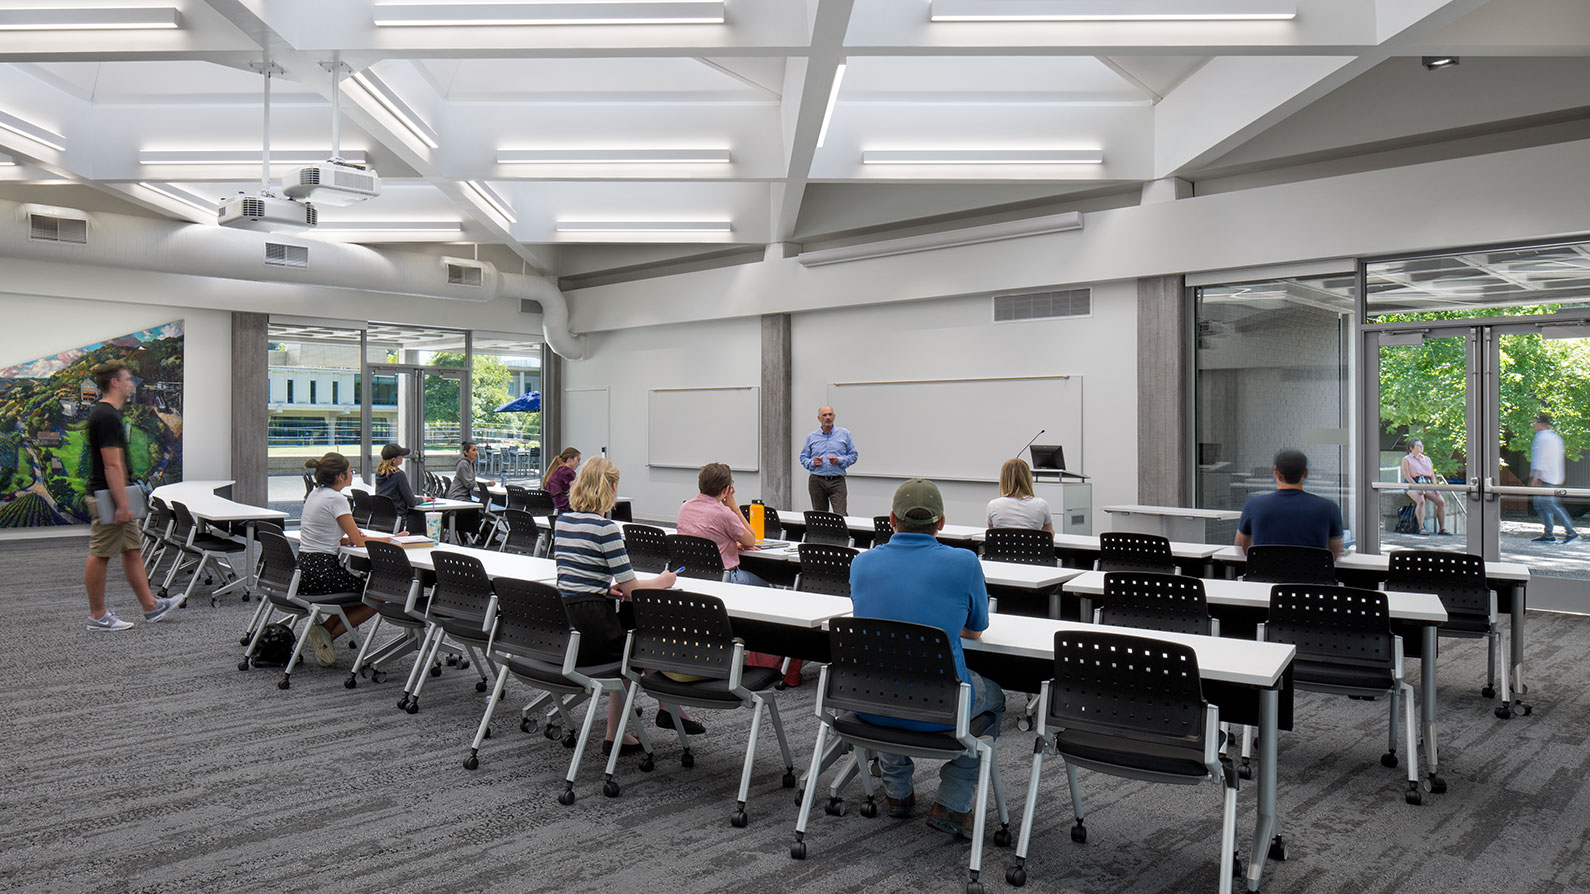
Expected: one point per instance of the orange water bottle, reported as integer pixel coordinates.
(758, 521)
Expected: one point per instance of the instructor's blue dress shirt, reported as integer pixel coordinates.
(835, 443)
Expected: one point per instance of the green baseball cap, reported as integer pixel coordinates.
(918, 501)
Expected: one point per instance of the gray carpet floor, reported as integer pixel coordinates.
(145, 761)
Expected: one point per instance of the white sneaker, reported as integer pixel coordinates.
(108, 623)
(320, 641)
(162, 608)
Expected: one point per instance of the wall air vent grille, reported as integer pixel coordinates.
(1049, 305)
(45, 228)
(280, 255)
(463, 275)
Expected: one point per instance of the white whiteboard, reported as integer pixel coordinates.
(690, 427)
(584, 422)
(957, 429)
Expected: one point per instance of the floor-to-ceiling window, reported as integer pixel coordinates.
(507, 373)
(1273, 371)
(313, 398)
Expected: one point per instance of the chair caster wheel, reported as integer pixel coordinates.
(377, 676)
(244, 597)
(403, 703)
(1002, 837)
(1079, 833)
(610, 789)
(452, 661)
(163, 594)
(835, 807)
(242, 640)
(687, 760)
(243, 665)
(1488, 692)
(566, 797)
(436, 670)
(526, 725)
(647, 764)
(739, 820)
(780, 686)
(480, 686)
(1503, 712)
(286, 683)
(1435, 785)
(797, 851)
(413, 707)
(1414, 796)
(1389, 759)
(1246, 770)
(471, 763)
(463, 664)
(1521, 708)
(350, 683)
(1278, 849)
(869, 809)
(1024, 723)
(789, 779)
(553, 731)
(568, 739)
(974, 888)
(214, 602)
(1016, 876)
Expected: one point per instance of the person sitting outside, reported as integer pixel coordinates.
(915, 578)
(1418, 469)
(1017, 506)
(1290, 516)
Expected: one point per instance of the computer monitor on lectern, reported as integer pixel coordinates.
(1051, 457)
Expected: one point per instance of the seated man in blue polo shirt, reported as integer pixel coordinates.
(915, 578)
(1290, 516)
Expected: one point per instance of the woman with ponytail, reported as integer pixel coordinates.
(560, 477)
(327, 525)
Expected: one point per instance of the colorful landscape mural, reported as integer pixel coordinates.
(44, 405)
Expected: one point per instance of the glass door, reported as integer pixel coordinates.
(428, 403)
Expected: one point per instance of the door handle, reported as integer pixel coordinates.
(1490, 495)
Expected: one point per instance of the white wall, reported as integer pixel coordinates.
(37, 327)
(955, 338)
(632, 362)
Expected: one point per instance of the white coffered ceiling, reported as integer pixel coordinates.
(1153, 99)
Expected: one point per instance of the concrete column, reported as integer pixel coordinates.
(250, 414)
(1162, 388)
(778, 458)
(552, 406)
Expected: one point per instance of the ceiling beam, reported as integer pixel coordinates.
(808, 83)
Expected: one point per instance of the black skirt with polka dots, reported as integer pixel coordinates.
(321, 573)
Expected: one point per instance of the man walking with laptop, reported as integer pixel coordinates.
(108, 475)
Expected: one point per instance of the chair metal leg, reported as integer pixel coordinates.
(1391, 730)
(1017, 874)
(1228, 838)
(609, 785)
(1413, 752)
(1076, 796)
(783, 741)
(739, 818)
(1504, 707)
(257, 622)
(482, 731)
(364, 651)
(566, 797)
(797, 850)
(985, 757)
(418, 668)
(298, 648)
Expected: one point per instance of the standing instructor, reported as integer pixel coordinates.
(828, 452)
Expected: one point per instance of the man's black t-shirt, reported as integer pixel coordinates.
(104, 430)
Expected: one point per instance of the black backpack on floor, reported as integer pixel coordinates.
(1407, 520)
(275, 646)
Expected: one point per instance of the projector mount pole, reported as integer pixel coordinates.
(336, 106)
(266, 68)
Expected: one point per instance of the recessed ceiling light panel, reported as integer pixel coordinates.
(982, 156)
(645, 226)
(636, 12)
(1113, 10)
(611, 156)
(91, 18)
(240, 156)
(32, 131)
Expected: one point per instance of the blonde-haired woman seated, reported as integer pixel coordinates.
(593, 567)
(1017, 506)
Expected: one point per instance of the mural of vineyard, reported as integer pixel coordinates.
(44, 405)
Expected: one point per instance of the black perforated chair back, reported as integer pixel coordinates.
(309, 483)
(391, 572)
(518, 497)
(698, 556)
(184, 519)
(1458, 578)
(162, 516)
(1127, 551)
(623, 511)
(647, 547)
(826, 527)
(891, 668)
(1290, 565)
(523, 532)
(484, 493)
(1342, 625)
(463, 591)
(1148, 601)
(771, 528)
(277, 562)
(1117, 684)
(825, 568)
(361, 507)
(539, 502)
(1026, 546)
(531, 620)
(882, 530)
(383, 514)
(682, 632)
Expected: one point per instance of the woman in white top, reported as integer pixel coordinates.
(1417, 467)
(1017, 506)
(327, 525)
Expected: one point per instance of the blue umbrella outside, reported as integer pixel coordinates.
(529, 402)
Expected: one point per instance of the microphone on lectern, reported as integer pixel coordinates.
(1034, 438)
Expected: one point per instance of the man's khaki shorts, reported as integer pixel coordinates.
(109, 541)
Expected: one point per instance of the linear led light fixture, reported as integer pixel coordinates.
(997, 232)
(1113, 10)
(609, 12)
(181, 196)
(390, 226)
(32, 131)
(91, 18)
(388, 99)
(240, 156)
(490, 198)
(982, 156)
(611, 156)
(645, 226)
(833, 98)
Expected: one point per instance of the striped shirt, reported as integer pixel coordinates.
(590, 553)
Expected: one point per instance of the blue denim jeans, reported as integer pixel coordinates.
(741, 576)
(1549, 507)
(957, 778)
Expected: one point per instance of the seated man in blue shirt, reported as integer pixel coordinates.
(1290, 516)
(915, 578)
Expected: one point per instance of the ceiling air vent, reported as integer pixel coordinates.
(462, 274)
(1053, 304)
(45, 228)
(280, 255)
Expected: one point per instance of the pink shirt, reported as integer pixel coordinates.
(704, 516)
(1420, 466)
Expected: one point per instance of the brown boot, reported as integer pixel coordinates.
(901, 809)
(949, 822)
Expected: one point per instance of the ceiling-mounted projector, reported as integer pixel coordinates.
(266, 213)
(332, 182)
